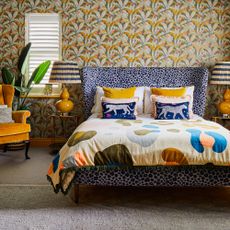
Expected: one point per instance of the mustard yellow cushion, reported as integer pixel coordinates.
(117, 93)
(14, 138)
(13, 129)
(1, 96)
(175, 92)
(6, 95)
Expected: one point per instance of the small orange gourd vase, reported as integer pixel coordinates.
(224, 106)
(64, 105)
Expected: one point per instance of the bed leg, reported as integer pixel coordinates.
(76, 193)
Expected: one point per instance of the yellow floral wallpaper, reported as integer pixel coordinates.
(123, 33)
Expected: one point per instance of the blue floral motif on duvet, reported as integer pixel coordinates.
(119, 111)
(172, 111)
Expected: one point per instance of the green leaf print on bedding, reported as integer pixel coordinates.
(114, 155)
(80, 136)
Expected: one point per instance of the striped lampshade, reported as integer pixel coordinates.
(65, 72)
(221, 73)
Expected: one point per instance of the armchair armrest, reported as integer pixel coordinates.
(20, 116)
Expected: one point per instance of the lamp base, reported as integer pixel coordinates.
(64, 105)
(224, 106)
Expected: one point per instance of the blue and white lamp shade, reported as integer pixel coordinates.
(221, 73)
(65, 72)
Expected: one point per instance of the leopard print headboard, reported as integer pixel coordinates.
(145, 76)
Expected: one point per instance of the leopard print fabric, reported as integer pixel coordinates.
(145, 76)
(156, 176)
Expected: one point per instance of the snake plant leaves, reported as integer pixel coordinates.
(23, 59)
(7, 76)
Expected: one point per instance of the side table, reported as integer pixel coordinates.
(219, 119)
(55, 146)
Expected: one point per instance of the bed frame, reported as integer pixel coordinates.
(202, 175)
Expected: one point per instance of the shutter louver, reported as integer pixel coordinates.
(43, 31)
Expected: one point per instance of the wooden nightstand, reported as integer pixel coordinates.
(221, 120)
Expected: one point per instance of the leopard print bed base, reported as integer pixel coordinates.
(156, 176)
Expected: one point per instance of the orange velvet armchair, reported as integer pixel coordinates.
(18, 131)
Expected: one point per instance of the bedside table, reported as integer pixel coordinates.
(221, 120)
(55, 146)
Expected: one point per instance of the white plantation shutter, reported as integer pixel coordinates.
(44, 32)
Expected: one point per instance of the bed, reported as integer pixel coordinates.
(90, 155)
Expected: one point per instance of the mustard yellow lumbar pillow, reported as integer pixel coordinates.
(117, 93)
(167, 92)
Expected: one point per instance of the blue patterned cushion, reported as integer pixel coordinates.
(118, 110)
(171, 111)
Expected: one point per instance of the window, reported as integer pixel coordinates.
(44, 32)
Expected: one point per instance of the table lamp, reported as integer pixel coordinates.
(221, 76)
(64, 72)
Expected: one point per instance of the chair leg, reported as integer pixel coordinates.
(5, 148)
(27, 143)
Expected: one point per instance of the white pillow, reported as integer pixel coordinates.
(148, 106)
(139, 93)
(6, 115)
(97, 100)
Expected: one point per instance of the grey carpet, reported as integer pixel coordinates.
(33, 205)
(37, 207)
(14, 169)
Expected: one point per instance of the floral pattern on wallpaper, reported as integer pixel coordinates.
(124, 33)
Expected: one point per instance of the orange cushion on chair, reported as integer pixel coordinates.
(7, 129)
(14, 138)
(1, 96)
(6, 95)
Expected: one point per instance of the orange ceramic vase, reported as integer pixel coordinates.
(224, 106)
(64, 105)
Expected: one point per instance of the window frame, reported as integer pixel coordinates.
(37, 90)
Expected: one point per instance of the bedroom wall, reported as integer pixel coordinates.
(123, 33)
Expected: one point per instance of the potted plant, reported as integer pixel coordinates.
(19, 80)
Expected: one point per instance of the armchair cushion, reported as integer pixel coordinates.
(1, 96)
(6, 95)
(13, 129)
(20, 116)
